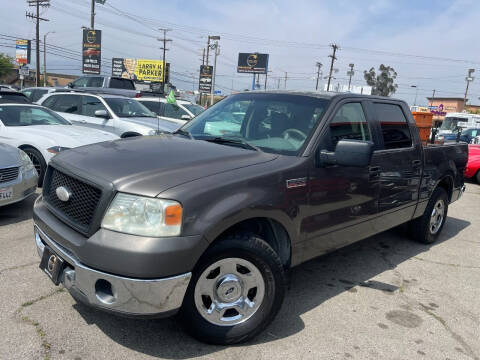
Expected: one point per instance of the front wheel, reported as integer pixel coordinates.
(427, 228)
(235, 292)
(38, 161)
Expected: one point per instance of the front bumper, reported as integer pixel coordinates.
(22, 187)
(118, 294)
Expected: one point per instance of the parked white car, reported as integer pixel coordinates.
(180, 113)
(41, 133)
(119, 115)
(18, 177)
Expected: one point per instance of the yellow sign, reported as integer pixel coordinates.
(149, 70)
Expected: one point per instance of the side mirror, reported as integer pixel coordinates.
(186, 117)
(355, 153)
(70, 85)
(102, 114)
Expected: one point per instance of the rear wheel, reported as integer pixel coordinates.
(427, 228)
(38, 161)
(235, 292)
(477, 177)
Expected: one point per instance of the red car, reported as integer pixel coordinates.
(473, 166)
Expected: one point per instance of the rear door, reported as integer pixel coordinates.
(67, 105)
(343, 199)
(399, 164)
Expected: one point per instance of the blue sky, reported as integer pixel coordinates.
(296, 34)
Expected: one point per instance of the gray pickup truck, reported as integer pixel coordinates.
(207, 221)
(106, 85)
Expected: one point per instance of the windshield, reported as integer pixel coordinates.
(123, 107)
(451, 123)
(277, 123)
(194, 108)
(29, 116)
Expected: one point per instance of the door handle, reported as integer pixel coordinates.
(374, 172)
(416, 163)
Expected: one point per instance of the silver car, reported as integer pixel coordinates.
(18, 177)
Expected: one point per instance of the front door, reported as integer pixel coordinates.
(342, 199)
(90, 104)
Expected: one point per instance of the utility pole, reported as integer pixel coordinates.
(416, 93)
(266, 77)
(335, 48)
(217, 52)
(319, 66)
(37, 4)
(350, 73)
(45, 57)
(285, 79)
(203, 56)
(164, 48)
(468, 79)
(433, 97)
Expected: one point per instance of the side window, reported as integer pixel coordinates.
(27, 93)
(173, 111)
(116, 83)
(50, 101)
(67, 104)
(349, 122)
(394, 124)
(80, 82)
(37, 94)
(91, 104)
(95, 82)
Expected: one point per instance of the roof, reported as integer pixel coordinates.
(320, 94)
(445, 98)
(161, 99)
(103, 95)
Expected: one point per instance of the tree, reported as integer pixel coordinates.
(6, 64)
(383, 83)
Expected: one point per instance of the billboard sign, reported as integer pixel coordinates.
(139, 70)
(22, 51)
(252, 63)
(91, 51)
(205, 79)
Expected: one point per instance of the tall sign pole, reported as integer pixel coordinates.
(217, 52)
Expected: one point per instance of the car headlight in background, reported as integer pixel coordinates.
(56, 149)
(27, 164)
(144, 216)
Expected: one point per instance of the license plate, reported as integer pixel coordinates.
(6, 193)
(52, 265)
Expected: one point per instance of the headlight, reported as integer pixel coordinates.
(56, 149)
(139, 215)
(27, 164)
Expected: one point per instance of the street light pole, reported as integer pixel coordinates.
(350, 74)
(45, 57)
(319, 65)
(468, 79)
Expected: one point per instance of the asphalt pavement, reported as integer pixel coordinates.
(385, 297)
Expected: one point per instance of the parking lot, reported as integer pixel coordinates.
(384, 297)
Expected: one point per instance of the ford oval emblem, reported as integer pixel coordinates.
(63, 193)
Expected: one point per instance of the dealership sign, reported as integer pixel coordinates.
(205, 79)
(252, 63)
(22, 51)
(91, 51)
(140, 70)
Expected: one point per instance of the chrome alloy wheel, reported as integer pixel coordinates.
(229, 291)
(437, 217)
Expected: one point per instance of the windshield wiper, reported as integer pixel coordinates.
(236, 142)
(184, 133)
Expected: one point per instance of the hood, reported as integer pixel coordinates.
(9, 156)
(153, 123)
(152, 164)
(64, 135)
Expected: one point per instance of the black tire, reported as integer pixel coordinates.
(38, 162)
(477, 177)
(420, 228)
(256, 251)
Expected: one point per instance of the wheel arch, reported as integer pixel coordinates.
(269, 229)
(446, 182)
(128, 134)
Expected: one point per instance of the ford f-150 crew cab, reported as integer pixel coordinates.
(206, 221)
